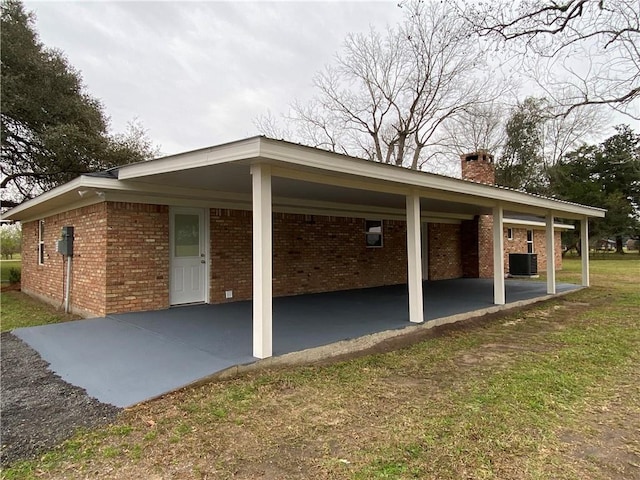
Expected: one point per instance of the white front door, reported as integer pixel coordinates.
(188, 256)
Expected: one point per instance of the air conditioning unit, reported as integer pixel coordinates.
(523, 264)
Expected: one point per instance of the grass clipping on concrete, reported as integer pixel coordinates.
(546, 392)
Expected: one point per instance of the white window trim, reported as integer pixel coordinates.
(530, 242)
(509, 233)
(40, 242)
(381, 234)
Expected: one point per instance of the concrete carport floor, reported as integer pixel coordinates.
(128, 358)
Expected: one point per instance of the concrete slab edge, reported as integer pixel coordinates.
(344, 347)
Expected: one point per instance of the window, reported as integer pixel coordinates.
(373, 233)
(41, 242)
(509, 233)
(529, 241)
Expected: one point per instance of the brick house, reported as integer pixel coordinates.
(259, 218)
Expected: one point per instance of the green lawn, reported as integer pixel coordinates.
(547, 392)
(6, 265)
(20, 310)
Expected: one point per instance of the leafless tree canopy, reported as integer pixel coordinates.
(586, 51)
(388, 95)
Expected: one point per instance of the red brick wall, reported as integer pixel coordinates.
(88, 274)
(121, 260)
(519, 245)
(485, 246)
(445, 244)
(137, 251)
(231, 254)
(311, 254)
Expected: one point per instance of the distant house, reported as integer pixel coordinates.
(605, 245)
(259, 218)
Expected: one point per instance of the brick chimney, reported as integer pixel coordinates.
(478, 167)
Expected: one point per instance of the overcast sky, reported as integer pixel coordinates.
(198, 74)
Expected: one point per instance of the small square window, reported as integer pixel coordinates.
(373, 233)
(509, 233)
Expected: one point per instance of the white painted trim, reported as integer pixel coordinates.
(551, 257)
(306, 163)
(584, 250)
(414, 259)
(82, 182)
(318, 159)
(499, 297)
(226, 153)
(72, 206)
(508, 222)
(262, 261)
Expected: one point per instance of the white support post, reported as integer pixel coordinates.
(551, 255)
(584, 250)
(262, 260)
(499, 296)
(414, 259)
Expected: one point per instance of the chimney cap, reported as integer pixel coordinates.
(480, 155)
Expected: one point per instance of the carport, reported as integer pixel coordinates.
(268, 176)
(128, 358)
(138, 212)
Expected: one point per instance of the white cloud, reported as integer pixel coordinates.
(197, 74)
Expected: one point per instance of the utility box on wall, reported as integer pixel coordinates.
(65, 244)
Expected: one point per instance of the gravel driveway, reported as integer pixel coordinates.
(39, 409)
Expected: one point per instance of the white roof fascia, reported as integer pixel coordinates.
(79, 183)
(341, 165)
(533, 223)
(313, 158)
(377, 186)
(229, 152)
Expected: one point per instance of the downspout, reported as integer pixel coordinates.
(67, 286)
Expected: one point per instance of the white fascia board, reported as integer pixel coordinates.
(537, 225)
(82, 182)
(229, 152)
(313, 158)
(84, 202)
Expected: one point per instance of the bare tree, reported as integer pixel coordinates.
(480, 127)
(589, 50)
(387, 96)
(563, 133)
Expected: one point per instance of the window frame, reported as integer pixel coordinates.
(530, 242)
(41, 233)
(373, 223)
(509, 233)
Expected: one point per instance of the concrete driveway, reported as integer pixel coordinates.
(128, 358)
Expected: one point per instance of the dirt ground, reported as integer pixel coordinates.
(39, 409)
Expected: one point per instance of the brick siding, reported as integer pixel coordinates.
(519, 245)
(311, 253)
(47, 281)
(121, 257)
(445, 247)
(137, 252)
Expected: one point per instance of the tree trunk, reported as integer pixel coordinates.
(619, 249)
